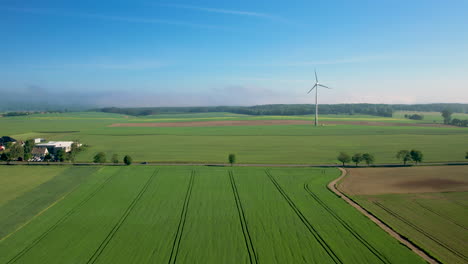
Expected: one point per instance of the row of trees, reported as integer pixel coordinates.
(101, 158)
(404, 155)
(357, 158)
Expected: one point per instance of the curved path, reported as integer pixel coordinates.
(386, 228)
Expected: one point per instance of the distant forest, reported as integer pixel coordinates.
(385, 110)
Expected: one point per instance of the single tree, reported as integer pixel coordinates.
(368, 158)
(28, 146)
(232, 159)
(344, 158)
(447, 115)
(357, 158)
(16, 152)
(416, 156)
(115, 159)
(60, 155)
(404, 155)
(4, 156)
(127, 160)
(466, 155)
(100, 157)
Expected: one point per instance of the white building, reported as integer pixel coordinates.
(39, 140)
(53, 146)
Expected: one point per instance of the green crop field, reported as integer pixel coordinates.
(284, 144)
(435, 221)
(148, 214)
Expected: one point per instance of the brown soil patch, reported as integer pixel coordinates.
(266, 123)
(427, 179)
(431, 183)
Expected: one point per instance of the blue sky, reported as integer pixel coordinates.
(172, 53)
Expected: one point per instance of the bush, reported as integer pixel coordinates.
(127, 160)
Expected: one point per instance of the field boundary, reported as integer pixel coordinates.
(183, 217)
(243, 222)
(198, 163)
(304, 220)
(122, 219)
(61, 220)
(415, 248)
(364, 242)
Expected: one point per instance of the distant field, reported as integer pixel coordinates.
(253, 144)
(426, 204)
(150, 214)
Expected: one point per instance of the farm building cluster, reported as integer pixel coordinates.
(52, 147)
(41, 147)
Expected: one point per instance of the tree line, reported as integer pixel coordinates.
(405, 156)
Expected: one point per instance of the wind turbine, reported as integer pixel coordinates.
(316, 86)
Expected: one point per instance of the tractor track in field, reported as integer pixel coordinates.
(243, 222)
(183, 217)
(420, 230)
(61, 220)
(304, 220)
(364, 242)
(440, 215)
(122, 219)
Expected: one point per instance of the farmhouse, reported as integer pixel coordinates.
(54, 146)
(39, 152)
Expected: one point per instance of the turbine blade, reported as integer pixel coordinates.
(312, 88)
(324, 86)
(316, 79)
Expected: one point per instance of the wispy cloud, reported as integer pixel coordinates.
(130, 19)
(229, 12)
(222, 11)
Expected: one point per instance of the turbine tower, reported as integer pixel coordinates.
(316, 86)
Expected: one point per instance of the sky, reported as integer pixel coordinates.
(192, 53)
